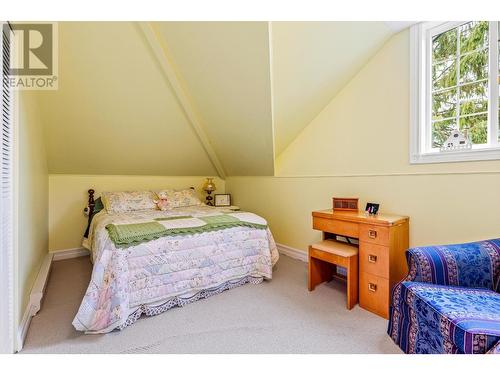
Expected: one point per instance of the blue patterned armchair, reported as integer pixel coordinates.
(450, 300)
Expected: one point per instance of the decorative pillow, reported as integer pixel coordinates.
(178, 198)
(124, 201)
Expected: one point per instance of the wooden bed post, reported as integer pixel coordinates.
(91, 205)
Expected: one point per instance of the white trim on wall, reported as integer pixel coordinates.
(415, 92)
(69, 253)
(35, 301)
(292, 252)
(38, 291)
(389, 174)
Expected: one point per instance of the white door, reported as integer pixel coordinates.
(6, 207)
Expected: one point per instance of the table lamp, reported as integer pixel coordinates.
(209, 186)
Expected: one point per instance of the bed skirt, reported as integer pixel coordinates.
(152, 310)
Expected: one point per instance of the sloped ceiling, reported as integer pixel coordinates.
(252, 86)
(225, 66)
(312, 62)
(114, 113)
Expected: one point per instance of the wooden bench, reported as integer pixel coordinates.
(324, 257)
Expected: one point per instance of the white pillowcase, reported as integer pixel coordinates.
(178, 198)
(125, 201)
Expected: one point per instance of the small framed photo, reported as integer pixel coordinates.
(372, 208)
(222, 200)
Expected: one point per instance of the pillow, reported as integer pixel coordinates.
(98, 206)
(125, 201)
(178, 198)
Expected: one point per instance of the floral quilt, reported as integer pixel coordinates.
(169, 271)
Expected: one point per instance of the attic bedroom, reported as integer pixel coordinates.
(258, 187)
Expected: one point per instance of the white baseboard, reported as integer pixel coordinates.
(38, 289)
(292, 252)
(22, 330)
(35, 301)
(70, 253)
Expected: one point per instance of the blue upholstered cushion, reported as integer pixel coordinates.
(445, 319)
(474, 265)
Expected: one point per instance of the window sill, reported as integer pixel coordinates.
(456, 156)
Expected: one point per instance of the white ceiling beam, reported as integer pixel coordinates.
(160, 51)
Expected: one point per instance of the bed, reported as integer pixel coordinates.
(147, 261)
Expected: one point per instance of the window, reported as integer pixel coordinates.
(455, 81)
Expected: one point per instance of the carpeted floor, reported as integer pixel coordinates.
(278, 316)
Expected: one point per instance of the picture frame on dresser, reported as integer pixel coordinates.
(222, 200)
(372, 208)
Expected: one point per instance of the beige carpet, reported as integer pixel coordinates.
(279, 316)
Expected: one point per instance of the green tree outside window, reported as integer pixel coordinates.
(460, 83)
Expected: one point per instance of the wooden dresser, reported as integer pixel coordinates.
(383, 240)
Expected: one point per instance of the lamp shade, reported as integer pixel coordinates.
(209, 185)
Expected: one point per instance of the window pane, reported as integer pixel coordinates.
(474, 98)
(444, 45)
(460, 73)
(476, 128)
(444, 104)
(444, 74)
(473, 35)
(474, 66)
(441, 130)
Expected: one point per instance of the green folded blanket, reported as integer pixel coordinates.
(125, 235)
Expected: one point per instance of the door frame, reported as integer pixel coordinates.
(8, 252)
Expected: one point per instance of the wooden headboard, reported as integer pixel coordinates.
(91, 205)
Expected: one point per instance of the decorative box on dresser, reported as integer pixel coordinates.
(383, 240)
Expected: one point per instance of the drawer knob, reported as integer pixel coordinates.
(372, 233)
(372, 258)
(372, 287)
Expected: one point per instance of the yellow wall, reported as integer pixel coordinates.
(365, 128)
(68, 197)
(33, 193)
(443, 208)
(359, 146)
(311, 63)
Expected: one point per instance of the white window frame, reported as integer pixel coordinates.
(421, 151)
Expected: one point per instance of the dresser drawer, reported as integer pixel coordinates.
(343, 228)
(374, 234)
(374, 259)
(374, 294)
